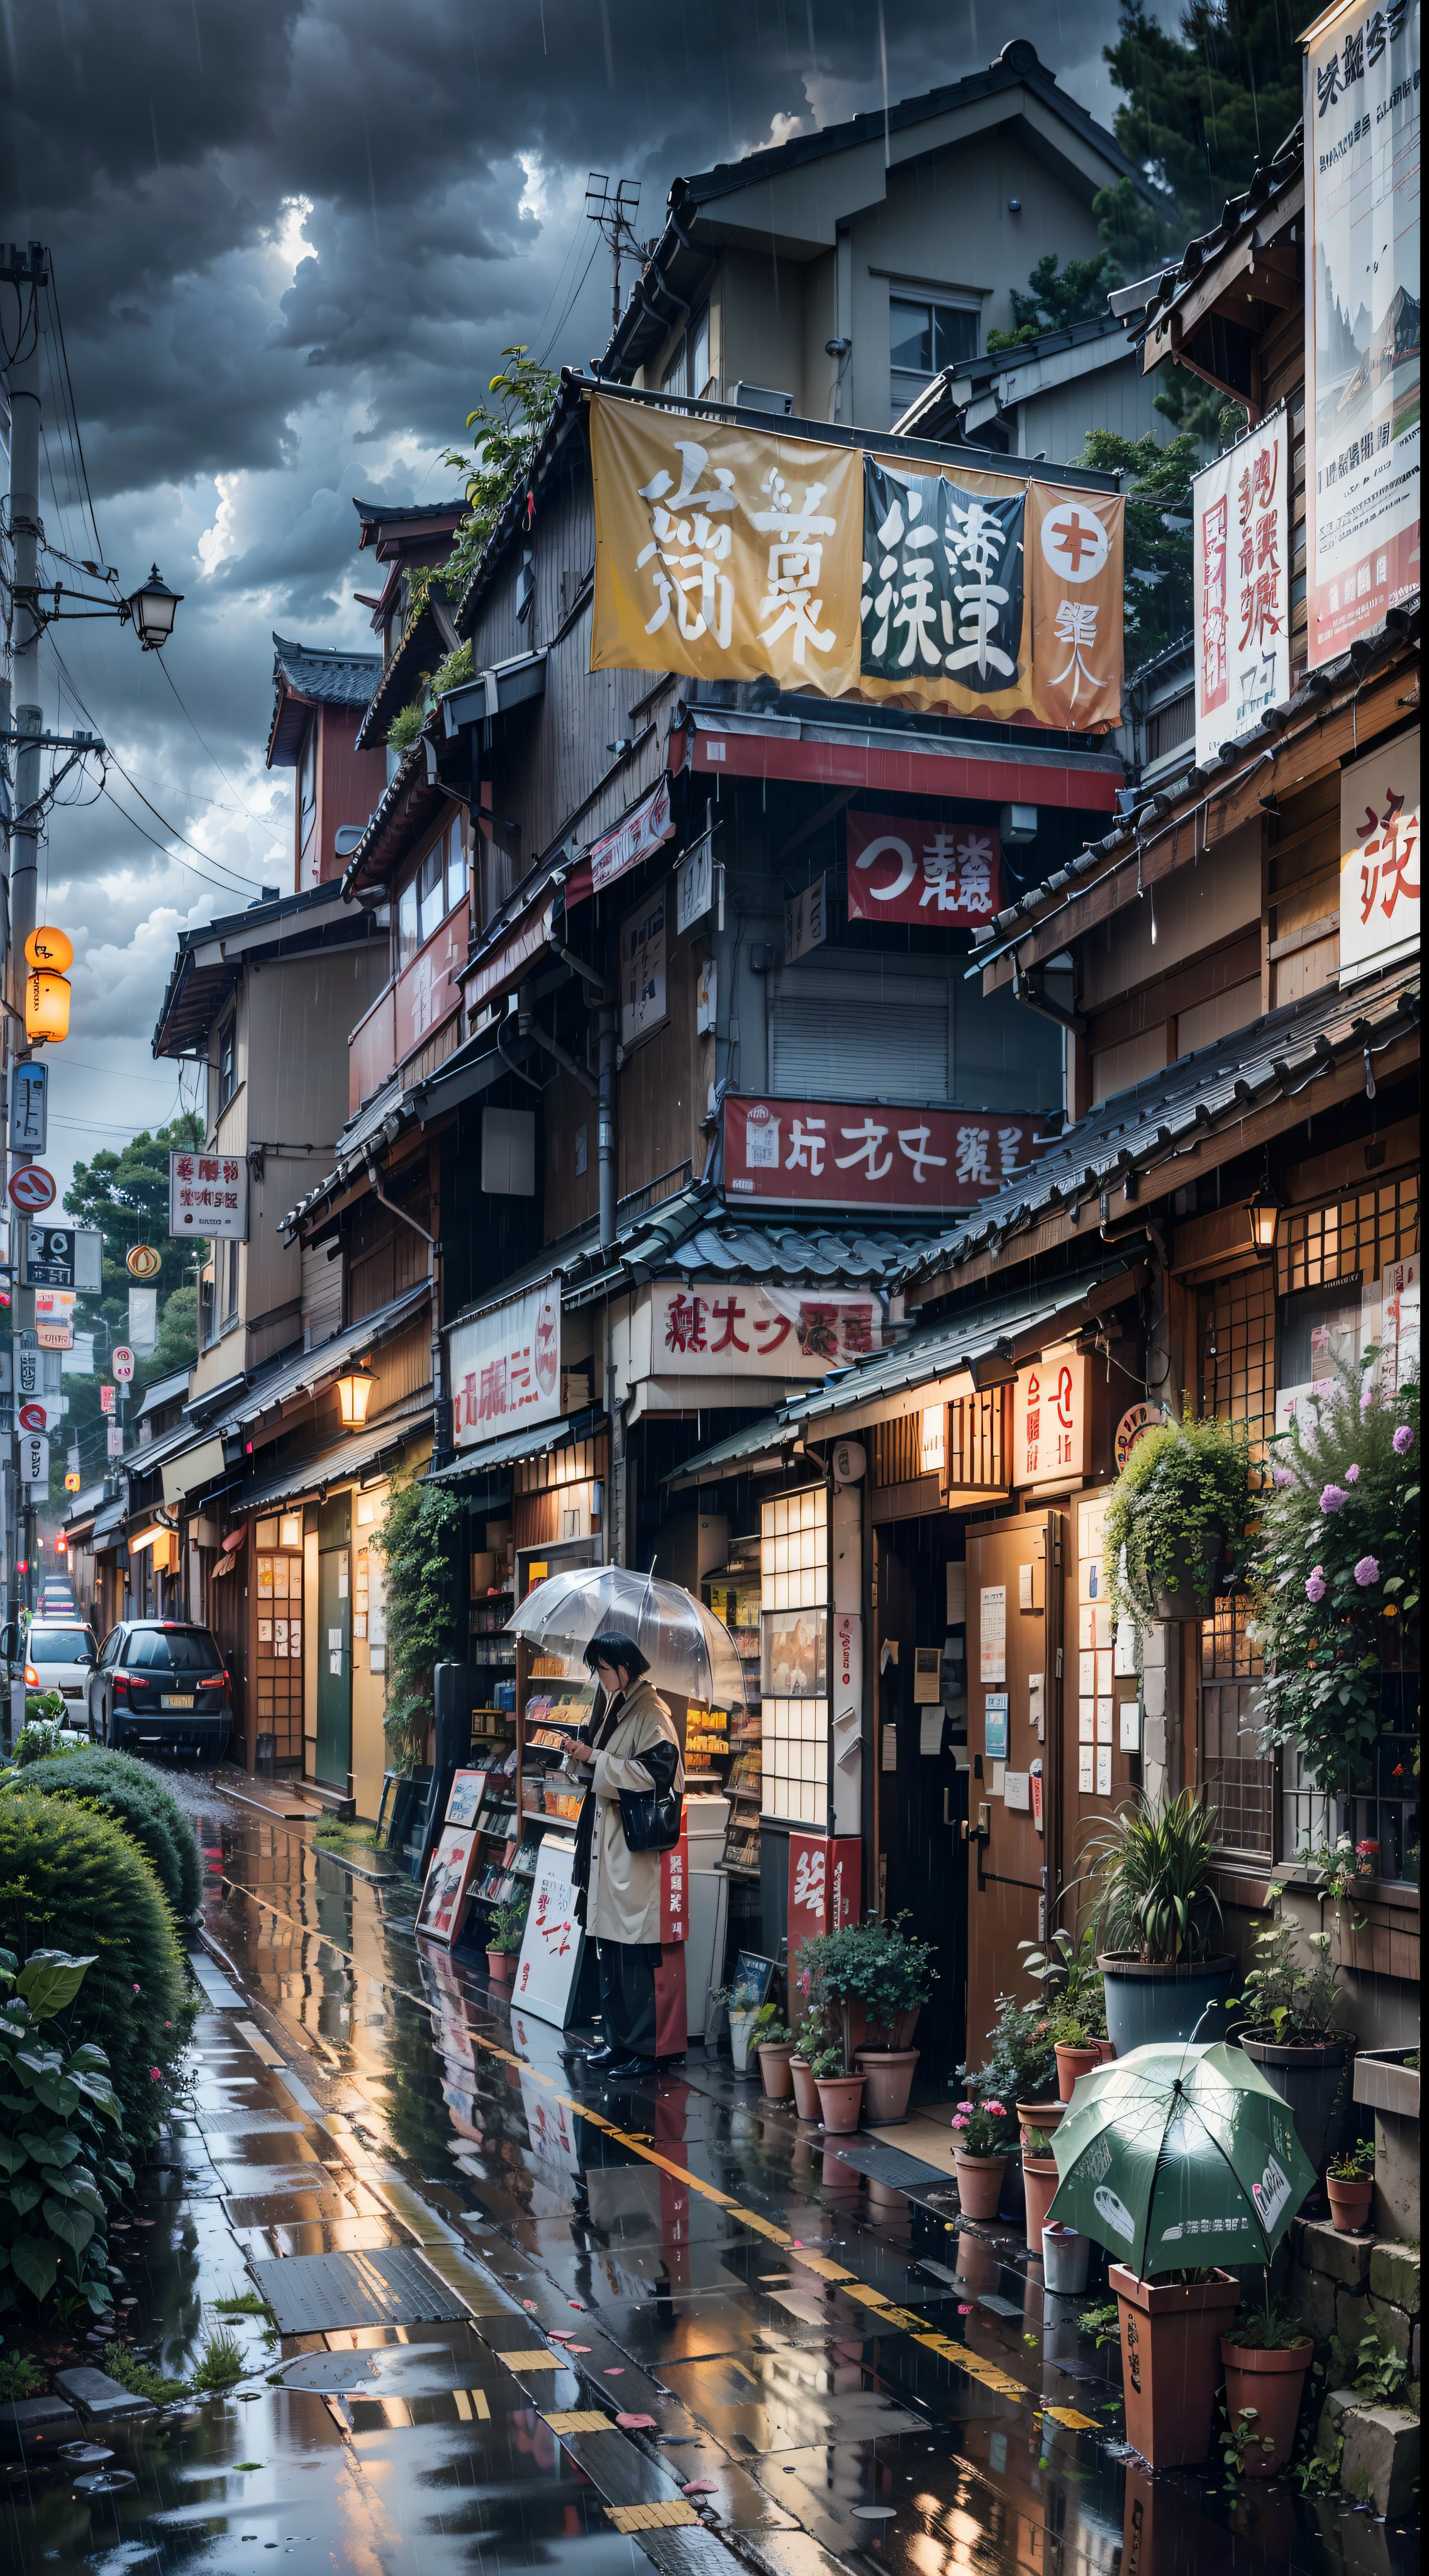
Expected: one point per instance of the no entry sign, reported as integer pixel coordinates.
(31, 1189)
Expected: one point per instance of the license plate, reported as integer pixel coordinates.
(170, 1699)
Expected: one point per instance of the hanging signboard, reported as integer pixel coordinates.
(694, 885)
(819, 1153)
(208, 1195)
(643, 1004)
(1379, 857)
(806, 920)
(34, 1458)
(1362, 297)
(946, 876)
(637, 838)
(1241, 602)
(1050, 1416)
(708, 1329)
(729, 553)
(60, 1256)
(506, 1366)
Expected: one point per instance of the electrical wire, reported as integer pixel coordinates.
(260, 819)
(74, 410)
(243, 883)
(571, 302)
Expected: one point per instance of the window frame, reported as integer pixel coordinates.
(443, 871)
(226, 1061)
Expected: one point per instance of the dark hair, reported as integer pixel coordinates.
(613, 1647)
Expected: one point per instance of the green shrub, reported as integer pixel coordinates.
(69, 1875)
(20, 2376)
(221, 2361)
(58, 2116)
(139, 2378)
(136, 1799)
(39, 1737)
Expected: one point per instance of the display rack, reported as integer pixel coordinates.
(492, 1656)
(733, 1594)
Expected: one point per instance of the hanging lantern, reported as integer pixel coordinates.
(1263, 1217)
(354, 1394)
(47, 995)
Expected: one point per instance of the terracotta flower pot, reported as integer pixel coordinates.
(840, 2101)
(500, 1964)
(1037, 2121)
(1350, 2203)
(774, 2056)
(1104, 2049)
(888, 2081)
(905, 2026)
(1073, 2061)
(1039, 2182)
(806, 2091)
(979, 2183)
(1170, 2341)
(1271, 2382)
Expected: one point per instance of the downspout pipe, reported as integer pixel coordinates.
(605, 1128)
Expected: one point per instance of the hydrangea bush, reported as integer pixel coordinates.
(1335, 1570)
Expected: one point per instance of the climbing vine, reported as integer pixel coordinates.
(418, 1543)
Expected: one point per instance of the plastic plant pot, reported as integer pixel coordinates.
(1350, 2203)
(1170, 2349)
(1315, 2079)
(1271, 2382)
(1065, 2260)
(774, 2056)
(1161, 2001)
(979, 2183)
(840, 2101)
(806, 2091)
(888, 2081)
(1039, 2183)
(1073, 2061)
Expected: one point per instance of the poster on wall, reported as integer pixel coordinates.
(1379, 857)
(643, 1003)
(1362, 320)
(506, 1366)
(1241, 599)
(706, 1328)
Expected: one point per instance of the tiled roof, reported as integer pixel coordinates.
(1139, 305)
(1137, 1132)
(313, 675)
(343, 1458)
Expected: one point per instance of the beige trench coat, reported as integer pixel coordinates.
(623, 1897)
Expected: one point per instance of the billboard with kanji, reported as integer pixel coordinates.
(506, 1367)
(843, 1154)
(208, 1195)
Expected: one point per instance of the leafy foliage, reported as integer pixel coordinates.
(57, 2168)
(1376, 2372)
(507, 1924)
(39, 1739)
(418, 1545)
(20, 2376)
(508, 432)
(1201, 107)
(1157, 482)
(66, 1870)
(1271, 2328)
(873, 1963)
(1023, 2064)
(1283, 1994)
(139, 2378)
(1153, 1865)
(1056, 297)
(984, 2125)
(220, 2362)
(1336, 1570)
(1179, 1484)
(1072, 1986)
(126, 1195)
(118, 1786)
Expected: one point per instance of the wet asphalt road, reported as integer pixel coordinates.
(676, 2252)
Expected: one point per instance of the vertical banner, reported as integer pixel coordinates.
(1241, 601)
(1379, 857)
(1362, 320)
(943, 586)
(1075, 543)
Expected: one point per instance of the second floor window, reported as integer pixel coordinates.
(687, 370)
(437, 889)
(227, 1062)
(923, 338)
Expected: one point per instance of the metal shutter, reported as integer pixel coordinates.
(845, 1033)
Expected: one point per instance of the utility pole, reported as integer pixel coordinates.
(615, 217)
(28, 273)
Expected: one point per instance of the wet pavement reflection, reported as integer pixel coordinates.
(840, 2371)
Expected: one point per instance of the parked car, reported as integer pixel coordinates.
(56, 1654)
(57, 1599)
(161, 1685)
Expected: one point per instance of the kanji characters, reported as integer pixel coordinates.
(806, 1147)
(972, 1155)
(795, 567)
(976, 549)
(1075, 625)
(865, 1141)
(691, 543)
(913, 1142)
(728, 1313)
(685, 1325)
(1390, 840)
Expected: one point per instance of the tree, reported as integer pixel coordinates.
(126, 1195)
(1057, 297)
(1158, 534)
(1201, 109)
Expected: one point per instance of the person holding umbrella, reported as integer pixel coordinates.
(631, 1814)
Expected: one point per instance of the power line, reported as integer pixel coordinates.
(243, 883)
(259, 819)
(74, 411)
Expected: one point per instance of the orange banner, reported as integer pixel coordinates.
(1075, 557)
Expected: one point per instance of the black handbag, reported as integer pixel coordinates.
(651, 1818)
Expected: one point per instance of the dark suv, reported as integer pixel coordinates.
(161, 1684)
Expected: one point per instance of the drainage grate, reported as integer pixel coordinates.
(885, 2164)
(316, 2293)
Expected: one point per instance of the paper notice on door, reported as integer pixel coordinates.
(1104, 1771)
(993, 1632)
(995, 1726)
(334, 1665)
(1130, 1726)
(1017, 1790)
(1035, 1713)
(890, 1748)
(1087, 1673)
(1103, 1668)
(1104, 1721)
(1086, 1721)
(1086, 1774)
(1123, 1653)
(930, 1730)
(334, 1641)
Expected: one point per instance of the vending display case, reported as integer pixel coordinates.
(733, 1739)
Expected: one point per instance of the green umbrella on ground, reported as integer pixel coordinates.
(1179, 2155)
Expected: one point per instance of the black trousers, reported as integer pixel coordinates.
(627, 1995)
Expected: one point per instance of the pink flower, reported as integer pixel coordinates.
(965, 2106)
(136, 1989)
(998, 2109)
(1281, 1476)
(1352, 1475)
(1367, 1572)
(960, 2123)
(1315, 1587)
(1333, 1499)
(962, 2311)
(155, 2076)
(1367, 1399)
(1403, 1439)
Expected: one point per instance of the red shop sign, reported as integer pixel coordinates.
(840, 1154)
(825, 1885)
(903, 868)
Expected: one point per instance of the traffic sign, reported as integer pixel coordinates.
(34, 1458)
(143, 1262)
(121, 1364)
(31, 1189)
(34, 1417)
(71, 1480)
(60, 1256)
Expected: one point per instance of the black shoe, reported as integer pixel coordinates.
(601, 2057)
(628, 2066)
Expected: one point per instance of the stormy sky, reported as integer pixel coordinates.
(290, 240)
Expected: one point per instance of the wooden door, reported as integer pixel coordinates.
(1014, 1632)
(334, 1738)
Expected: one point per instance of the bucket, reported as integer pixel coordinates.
(1065, 2257)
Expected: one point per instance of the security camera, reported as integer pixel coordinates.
(837, 348)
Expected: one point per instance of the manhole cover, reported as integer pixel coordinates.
(316, 2293)
(333, 2372)
(106, 2482)
(874, 2512)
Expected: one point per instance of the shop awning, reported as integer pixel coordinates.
(921, 1369)
(531, 1443)
(821, 751)
(346, 1458)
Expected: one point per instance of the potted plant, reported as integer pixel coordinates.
(1265, 2355)
(775, 2043)
(896, 1976)
(1159, 1914)
(840, 2089)
(1178, 1505)
(503, 1938)
(1292, 2002)
(1068, 1974)
(1349, 2180)
(983, 2135)
(810, 2039)
(1170, 2337)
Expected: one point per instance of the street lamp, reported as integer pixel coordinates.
(151, 608)
(1263, 1218)
(354, 1394)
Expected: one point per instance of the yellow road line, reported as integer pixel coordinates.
(652, 2517)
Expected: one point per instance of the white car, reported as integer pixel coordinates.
(55, 1655)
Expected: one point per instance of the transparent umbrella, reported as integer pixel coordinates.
(687, 1648)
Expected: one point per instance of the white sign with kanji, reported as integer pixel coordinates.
(1050, 1421)
(506, 1367)
(550, 1958)
(208, 1195)
(709, 1328)
(1241, 523)
(1379, 857)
